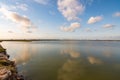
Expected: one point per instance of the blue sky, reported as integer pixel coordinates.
(60, 19)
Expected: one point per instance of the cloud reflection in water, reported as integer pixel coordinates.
(71, 69)
(72, 53)
(25, 54)
(94, 60)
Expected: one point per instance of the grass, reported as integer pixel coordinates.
(1, 49)
(8, 66)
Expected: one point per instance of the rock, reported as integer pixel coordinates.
(20, 77)
(4, 73)
(8, 70)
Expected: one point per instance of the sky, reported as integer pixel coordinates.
(60, 19)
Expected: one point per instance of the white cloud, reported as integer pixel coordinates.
(108, 25)
(93, 20)
(17, 6)
(28, 31)
(15, 17)
(70, 9)
(10, 31)
(23, 7)
(88, 30)
(71, 28)
(43, 2)
(117, 14)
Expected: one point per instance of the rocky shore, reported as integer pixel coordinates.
(8, 70)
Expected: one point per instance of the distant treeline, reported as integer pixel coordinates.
(51, 40)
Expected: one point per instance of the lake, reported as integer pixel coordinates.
(66, 60)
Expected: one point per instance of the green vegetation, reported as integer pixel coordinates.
(8, 65)
(2, 49)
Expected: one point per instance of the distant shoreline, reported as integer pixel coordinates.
(29, 40)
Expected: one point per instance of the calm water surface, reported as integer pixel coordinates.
(66, 60)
